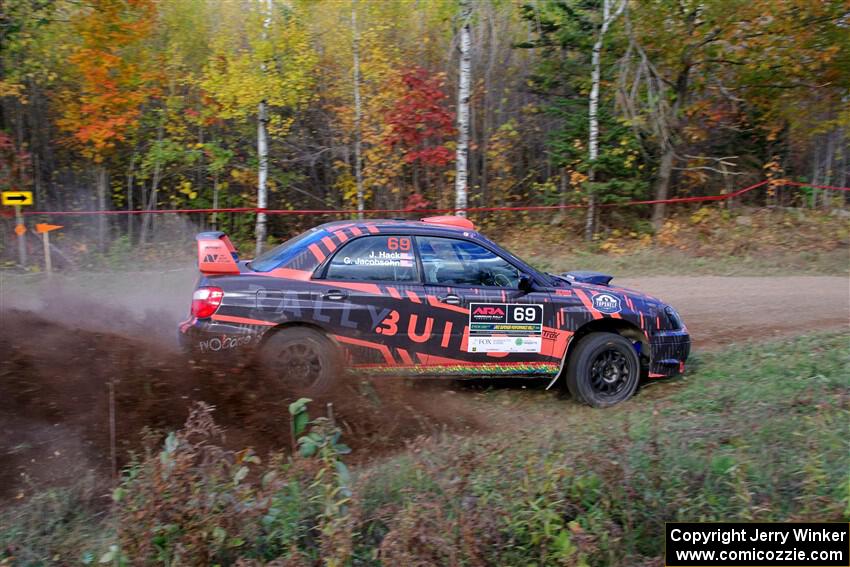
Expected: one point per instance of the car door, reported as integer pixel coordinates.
(502, 326)
(372, 284)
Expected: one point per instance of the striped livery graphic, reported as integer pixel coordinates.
(385, 294)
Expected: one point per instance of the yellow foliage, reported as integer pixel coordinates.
(701, 215)
(11, 89)
(253, 62)
(577, 178)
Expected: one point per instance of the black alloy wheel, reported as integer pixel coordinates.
(302, 359)
(603, 370)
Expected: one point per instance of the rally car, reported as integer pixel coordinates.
(431, 297)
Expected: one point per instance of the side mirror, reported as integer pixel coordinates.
(525, 284)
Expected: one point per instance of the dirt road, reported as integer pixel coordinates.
(74, 337)
(724, 310)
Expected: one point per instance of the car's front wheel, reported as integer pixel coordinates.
(603, 370)
(302, 360)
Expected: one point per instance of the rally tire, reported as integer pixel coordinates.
(301, 360)
(603, 370)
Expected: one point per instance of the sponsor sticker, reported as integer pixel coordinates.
(505, 327)
(607, 303)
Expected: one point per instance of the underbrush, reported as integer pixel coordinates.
(705, 240)
(708, 240)
(757, 433)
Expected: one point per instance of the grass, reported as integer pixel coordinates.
(757, 432)
(655, 261)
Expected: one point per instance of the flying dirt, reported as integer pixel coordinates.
(68, 346)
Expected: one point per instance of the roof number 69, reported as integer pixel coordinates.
(395, 243)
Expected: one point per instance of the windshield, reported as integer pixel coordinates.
(271, 259)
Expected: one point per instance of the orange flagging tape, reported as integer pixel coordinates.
(707, 198)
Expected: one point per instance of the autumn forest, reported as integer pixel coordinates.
(418, 104)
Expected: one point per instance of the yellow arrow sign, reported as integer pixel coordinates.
(19, 198)
(43, 227)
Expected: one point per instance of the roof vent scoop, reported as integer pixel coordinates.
(593, 278)
(451, 220)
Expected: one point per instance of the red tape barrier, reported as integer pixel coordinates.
(707, 198)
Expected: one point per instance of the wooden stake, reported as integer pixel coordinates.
(113, 453)
(48, 265)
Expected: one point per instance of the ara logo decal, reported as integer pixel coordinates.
(607, 303)
(486, 310)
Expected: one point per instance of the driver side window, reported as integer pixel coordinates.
(447, 261)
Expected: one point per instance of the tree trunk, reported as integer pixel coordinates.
(662, 186)
(215, 201)
(262, 152)
(102, 182)
(358, 110)
(148, 222)
(827, 167)
(463, 109)
(262, 176)
(487, 110)
(815, 172)
(130, 176)
(563, 185)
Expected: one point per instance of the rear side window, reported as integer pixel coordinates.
(271, 259)
(375, 258)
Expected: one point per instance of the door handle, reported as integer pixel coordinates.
(335, 295)
(450, 298)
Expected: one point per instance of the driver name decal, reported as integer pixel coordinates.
(607, 303)
(505, 327)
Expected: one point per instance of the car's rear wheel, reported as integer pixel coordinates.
(603, 370)
(302, 360)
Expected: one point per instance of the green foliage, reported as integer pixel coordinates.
(59, 522)
(565, 34)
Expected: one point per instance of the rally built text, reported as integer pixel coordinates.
(756, 534)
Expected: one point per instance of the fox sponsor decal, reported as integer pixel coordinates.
(505, 344)
(505, 327)
(607, 303)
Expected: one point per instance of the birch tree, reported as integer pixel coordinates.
(608, 18)
(261, 65)
(464, 80)
(263, 145)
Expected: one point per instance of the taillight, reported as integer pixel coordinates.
(205, 301)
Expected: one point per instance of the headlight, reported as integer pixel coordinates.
(673, 319)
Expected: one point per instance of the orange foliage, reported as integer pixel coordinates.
(113, 82)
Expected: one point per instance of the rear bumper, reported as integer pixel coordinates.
(670, 350)
(208, 337)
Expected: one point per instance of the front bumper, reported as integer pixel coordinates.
(670, 350)
(209, 337)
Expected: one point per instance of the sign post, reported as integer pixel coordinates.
(44, 230)
(21, 230)
(18, 199)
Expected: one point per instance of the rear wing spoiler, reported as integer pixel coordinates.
(216, 254)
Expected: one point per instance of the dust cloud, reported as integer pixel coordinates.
(69, 341)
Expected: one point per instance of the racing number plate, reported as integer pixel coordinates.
(505, 327)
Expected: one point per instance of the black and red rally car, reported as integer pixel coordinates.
(427, 298)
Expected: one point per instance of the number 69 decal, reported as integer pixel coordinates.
(525, 314)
